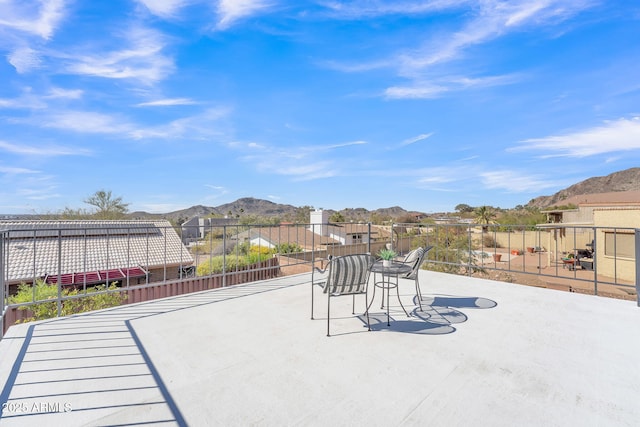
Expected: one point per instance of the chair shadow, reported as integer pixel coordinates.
(409, 326)
(437, 317)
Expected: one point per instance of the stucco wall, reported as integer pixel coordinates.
(620, 267)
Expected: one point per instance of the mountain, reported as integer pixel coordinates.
(249, 206)
(626, 180)
(259, 207)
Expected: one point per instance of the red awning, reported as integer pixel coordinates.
(95, 277)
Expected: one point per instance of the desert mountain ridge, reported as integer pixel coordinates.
(623, 181)
(623, 185)
(627, 181)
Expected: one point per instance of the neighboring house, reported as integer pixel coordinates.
(93, 252)
(320, 234)
(608, 219)
(271, 237)
(197, 227)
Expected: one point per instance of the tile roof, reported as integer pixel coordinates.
(37, 248)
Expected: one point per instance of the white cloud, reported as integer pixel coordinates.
(230, 11)
(203, 125)
(492, 19)
(57, 92)
(82, 122)
(42, 151)
(164, 8)
(37, 17)
(612, 136)
(415, 139)
(361, 9)
(515, 181)
(11, 170)
(142, 59)
(24, 59)
(167, 102)
(303, 163)
(429, 90)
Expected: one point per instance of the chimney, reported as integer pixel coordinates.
(319, 220)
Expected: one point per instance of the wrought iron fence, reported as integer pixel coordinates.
(152, 259)
(598, 260)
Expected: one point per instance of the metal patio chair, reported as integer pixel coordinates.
(415, 258)
(343, 275)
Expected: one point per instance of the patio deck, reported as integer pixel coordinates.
(484, 353)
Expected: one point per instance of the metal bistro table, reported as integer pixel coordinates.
(395, 269)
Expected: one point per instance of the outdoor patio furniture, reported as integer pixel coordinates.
(344, 275)
(415, 258)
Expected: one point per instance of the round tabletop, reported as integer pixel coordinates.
(394, 268)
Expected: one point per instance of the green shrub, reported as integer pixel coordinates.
(233, 262)
(288, 248)
(92, 300)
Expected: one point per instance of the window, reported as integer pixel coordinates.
(357, 238)
(621, 245)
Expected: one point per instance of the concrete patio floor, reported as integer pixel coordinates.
(483, 353)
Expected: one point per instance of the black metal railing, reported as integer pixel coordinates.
(604, 258)
(148, 254)
(151, 254)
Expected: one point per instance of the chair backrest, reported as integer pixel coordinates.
(415, 259)
(349, 274)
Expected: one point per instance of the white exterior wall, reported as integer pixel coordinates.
(624, 268)
(319, 220)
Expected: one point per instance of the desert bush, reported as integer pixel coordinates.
(288, 248)
(214, 265)
(94, 298)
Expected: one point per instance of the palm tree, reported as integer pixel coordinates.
(485, 216)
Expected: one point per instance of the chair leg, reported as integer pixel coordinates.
(418, 293)
(366, 298)
(312, 299)
(328, 311)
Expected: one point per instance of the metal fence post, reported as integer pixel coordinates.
(59, 302)
(638, 266)
(3, 239)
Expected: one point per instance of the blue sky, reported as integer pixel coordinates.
(331, 104)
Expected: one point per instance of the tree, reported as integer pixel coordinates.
(463, 208)
(485, 216)
(107, 207)
(337, 217)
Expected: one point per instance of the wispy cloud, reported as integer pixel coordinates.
(164, 8)
(230, 11)
(613, 136)
(304, 163)
(434, 89)
(203, 125)
(37, 17)
(482, 21)
(415, 139)
(24, 59)
(492, 19)
(12, 170)
(167, 102)
(516, 181)
(199, 126)
(81, 122)
(142, 59)
(45, 151)
(370, 9)
(57, 93)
